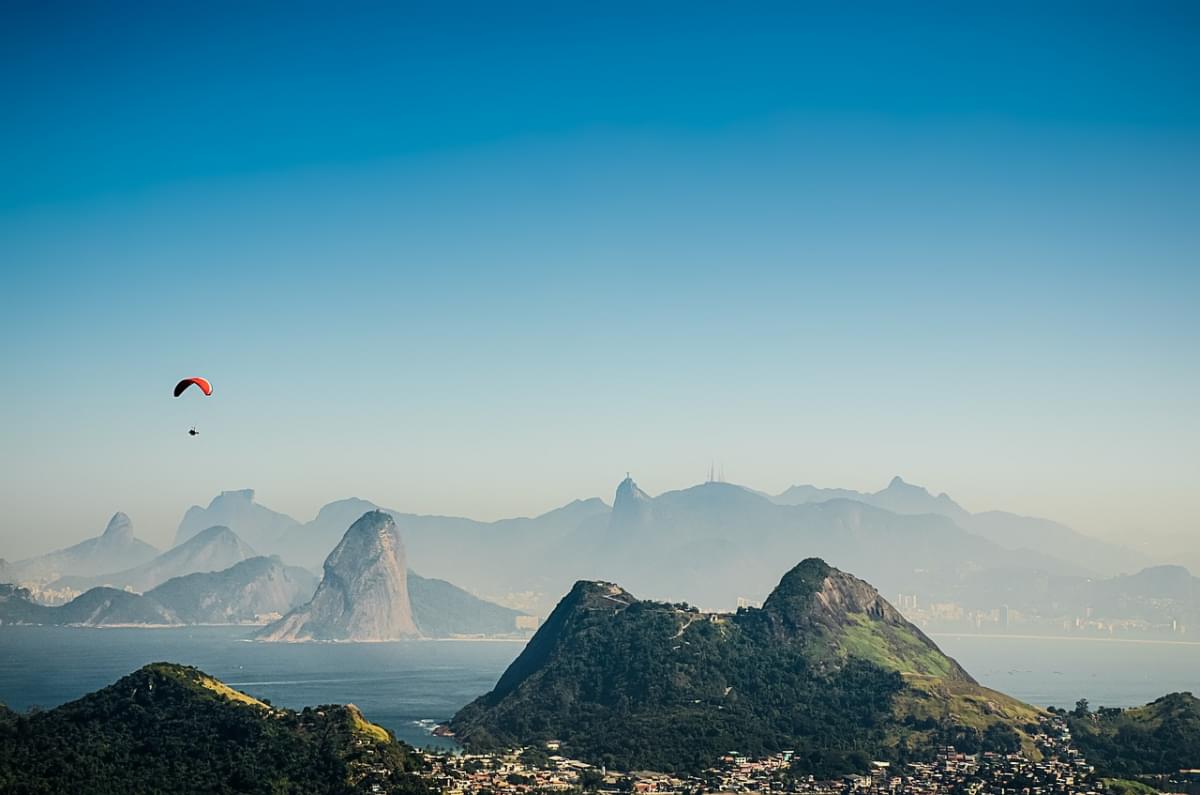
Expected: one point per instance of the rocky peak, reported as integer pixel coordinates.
(349, 506)
(903, 497)
(588, 600)
(256, 523)
(814, 602)
(364, 593)
(596, 593)
(815, 593)
(237, 495)
(629, 503)
(218, 534)
(899, 484)
(373, 540)
(119, 529)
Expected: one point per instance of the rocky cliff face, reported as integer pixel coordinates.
(363, 595)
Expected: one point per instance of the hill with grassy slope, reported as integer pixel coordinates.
(826, 668)
(172, 728)
(1161, 737)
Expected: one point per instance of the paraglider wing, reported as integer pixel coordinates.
(205, 387)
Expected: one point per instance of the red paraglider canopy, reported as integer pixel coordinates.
(205, 387)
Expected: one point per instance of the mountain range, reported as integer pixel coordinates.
(377, 598)
(115, 548)
(212, 549)
(237, 510)
(1008, 530)
(713, 543)
(251, 591)
(1156, 595)
(827, 668)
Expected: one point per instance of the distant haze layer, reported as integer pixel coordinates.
(898, 496)
(483, 264)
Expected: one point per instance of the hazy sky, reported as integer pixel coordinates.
(484, 259)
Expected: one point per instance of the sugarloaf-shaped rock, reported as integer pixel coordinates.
(363, 595)
(826, 668)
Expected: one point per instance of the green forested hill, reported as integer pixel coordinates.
(826, 668)
(1160, 737)
(172, 729)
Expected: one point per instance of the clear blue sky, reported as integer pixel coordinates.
(484, 258)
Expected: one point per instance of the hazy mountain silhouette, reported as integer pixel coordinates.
(258, 525)
(253, 591)
(115, 548)
(442, 609)
(1008, 530)
(213, 549)
(1158, 595)
(712, 543)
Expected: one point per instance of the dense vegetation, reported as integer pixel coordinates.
(1160, 737)
(170, 728)
(645, 685)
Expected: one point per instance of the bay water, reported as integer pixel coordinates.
(411, 686)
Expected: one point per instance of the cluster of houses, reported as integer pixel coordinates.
(520, 771)
(1062, 771)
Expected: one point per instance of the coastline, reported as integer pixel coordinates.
(459, 638)
(997, 636)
